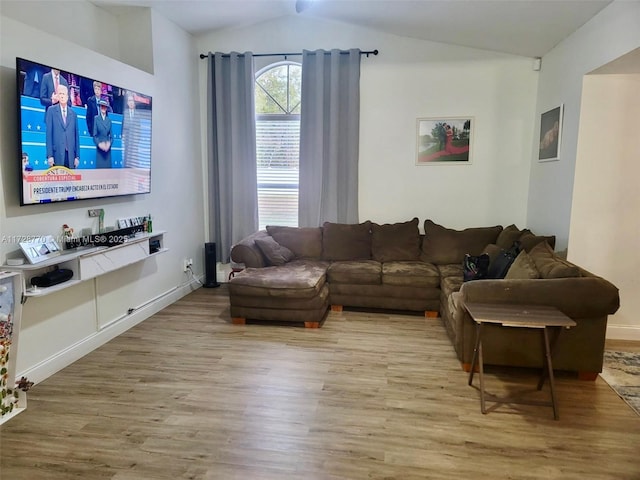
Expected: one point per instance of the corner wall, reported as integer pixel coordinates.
(59, 328)
(579, 196)
(609, 35)
(605, 224)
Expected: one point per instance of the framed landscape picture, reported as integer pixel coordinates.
(550, 134)
(444, 140)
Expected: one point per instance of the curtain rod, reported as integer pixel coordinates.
(285, 55)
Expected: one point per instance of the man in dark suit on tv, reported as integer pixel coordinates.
(49, 87)
(62, 136)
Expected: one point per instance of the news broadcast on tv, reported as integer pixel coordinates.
(80, 138)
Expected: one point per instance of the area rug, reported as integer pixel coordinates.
(621, 370)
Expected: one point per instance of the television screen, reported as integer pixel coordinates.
(80, 138)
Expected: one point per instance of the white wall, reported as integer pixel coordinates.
(610, 34)
(78, 21)
(59, 328)
(562, 193)
(410, 79)
(605, 223)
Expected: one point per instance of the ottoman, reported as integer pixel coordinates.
(295, 292)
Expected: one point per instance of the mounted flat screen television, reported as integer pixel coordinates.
(80, 138)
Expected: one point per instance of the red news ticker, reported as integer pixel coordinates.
(53, 178)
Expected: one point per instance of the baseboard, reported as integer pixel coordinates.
(623, 332)
(66, 357)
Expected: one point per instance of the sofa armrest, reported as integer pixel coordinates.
(576, 297)
(247, 252)
(587, 300)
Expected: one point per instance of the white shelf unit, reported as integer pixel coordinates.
(89, 262)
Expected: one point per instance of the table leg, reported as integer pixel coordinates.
(553, 342)
(477, 356)
(547, 349)
(481, 368)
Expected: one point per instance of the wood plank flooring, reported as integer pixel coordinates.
(188, 395)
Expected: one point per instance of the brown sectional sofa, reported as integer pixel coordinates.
(296, 274)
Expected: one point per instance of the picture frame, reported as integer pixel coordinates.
(40, 249)
(550, 134)
(438, 145)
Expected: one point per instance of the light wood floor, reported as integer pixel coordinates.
(187, 395)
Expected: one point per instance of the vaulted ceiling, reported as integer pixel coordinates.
(522, 27)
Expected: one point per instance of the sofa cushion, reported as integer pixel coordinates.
(528, 240)
(341, 241)
(297, 279)
(451, 270)
(444, 245)
(304, 242)
(522, 268)
(417, 274)
(549, 265)
(357, 272)
(395, 242)
(451, 284)
(508, 235)
(275, 253)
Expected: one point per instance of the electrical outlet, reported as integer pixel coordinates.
(187, 264)
(94, 212)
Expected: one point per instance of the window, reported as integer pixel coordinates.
(278, 143)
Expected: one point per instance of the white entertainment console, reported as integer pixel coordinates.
(86, 263)
(89, 262)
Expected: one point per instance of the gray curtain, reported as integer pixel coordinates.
(329, 136)
(233, 195)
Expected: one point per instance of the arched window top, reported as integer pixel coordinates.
(278, 89)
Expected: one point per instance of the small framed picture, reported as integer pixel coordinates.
(550, 134)
(444, 140)
(40, 249)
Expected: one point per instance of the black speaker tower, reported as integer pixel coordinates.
(211, 276)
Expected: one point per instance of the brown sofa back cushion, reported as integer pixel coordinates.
(528, 240)
(549, 265)
(508, 235)
(304, 242)
(444, 245)
(341, 241)
(395, 242)
(522, 268)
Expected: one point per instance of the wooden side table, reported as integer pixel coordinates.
(519, 316)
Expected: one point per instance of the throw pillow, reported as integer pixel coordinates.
(528, 240)
(508, 235)
(444, 245)
(501, 263)
(275, 253)
(304, 242)
(342, 241)
(395, 242)
(522, 268)
(549, 265)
